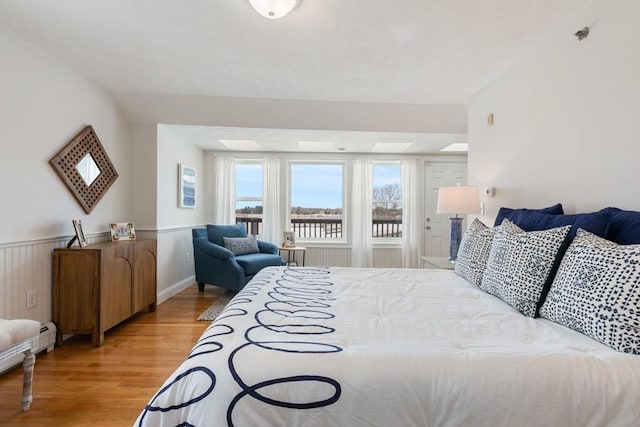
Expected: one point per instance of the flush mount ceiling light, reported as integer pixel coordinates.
(240, 144)
(457, 146)
(274, 9)
(391, 147)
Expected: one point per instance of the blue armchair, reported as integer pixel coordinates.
(217, 265)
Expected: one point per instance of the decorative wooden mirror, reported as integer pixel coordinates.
(85, 168)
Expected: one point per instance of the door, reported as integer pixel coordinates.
(438, 227)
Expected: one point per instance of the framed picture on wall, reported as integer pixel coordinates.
(187, 186)
(77, 227)
(122, 231)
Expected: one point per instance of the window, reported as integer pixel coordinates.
(316, 200)
(249, 196)
(387, 200)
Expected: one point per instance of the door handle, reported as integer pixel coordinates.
(428, 227)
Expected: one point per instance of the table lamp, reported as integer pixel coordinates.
(457, 200)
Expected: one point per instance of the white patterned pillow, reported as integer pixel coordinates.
(519, 264)
(241, 245)
(474, 252)
(597, 292)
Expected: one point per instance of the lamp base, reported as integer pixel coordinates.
(456, 237)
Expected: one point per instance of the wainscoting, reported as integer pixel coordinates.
(25, 267)
(175, 261)
(386, 257)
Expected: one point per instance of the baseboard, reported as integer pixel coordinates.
(175, 289)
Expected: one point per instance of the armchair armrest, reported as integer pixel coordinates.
(267, 247)
(213, 250)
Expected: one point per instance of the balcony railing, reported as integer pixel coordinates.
(325, 228)
(387, 228)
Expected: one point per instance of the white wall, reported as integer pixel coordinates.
(43, 105)
(566, 119)
(171, 152)
(292, 114)
(144, 195)
(174, 224)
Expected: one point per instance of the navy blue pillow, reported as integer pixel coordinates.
(624, 227)
(594, 222)
(508, 212)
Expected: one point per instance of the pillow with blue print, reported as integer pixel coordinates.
(519, 264)
(241, 245)
(597, 292)
(473, 254)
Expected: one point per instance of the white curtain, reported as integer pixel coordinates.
(410, 213)
(361, 213)
(272, 226)
(224, 172)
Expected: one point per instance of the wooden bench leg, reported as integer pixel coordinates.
(27, 366)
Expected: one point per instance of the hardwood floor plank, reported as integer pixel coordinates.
(78, 385)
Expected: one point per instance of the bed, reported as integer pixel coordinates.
(391, 347)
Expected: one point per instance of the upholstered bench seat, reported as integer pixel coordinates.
(21, 336)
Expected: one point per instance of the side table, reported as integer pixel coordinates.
(291, 254)
(437, 262)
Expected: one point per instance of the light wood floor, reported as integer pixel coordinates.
(78, 385)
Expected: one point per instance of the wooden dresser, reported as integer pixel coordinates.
(100, 285)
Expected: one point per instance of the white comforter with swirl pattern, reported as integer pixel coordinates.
(379, 347)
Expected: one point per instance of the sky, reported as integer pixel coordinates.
(312, 185)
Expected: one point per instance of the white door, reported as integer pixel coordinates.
(437, 228)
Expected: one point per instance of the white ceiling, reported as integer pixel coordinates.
(426, 52)
(288, 140)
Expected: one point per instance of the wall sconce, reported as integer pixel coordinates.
(274, 9)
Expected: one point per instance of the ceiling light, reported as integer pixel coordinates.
(274, 9)
(240, 144)
(457, 146)
(391, 147)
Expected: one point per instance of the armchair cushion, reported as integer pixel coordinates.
(253, 263)
(241, 245)
(217, 233)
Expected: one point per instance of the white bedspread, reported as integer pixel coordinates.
(381, 347)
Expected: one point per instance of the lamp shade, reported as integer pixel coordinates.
(274, 9)
(458, 200)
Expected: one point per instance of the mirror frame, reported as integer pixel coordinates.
(65, 162)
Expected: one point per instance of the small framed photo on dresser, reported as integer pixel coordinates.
(122, 231)
(77, 227)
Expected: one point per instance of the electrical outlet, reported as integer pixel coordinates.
(186, 258)
(32, 299)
